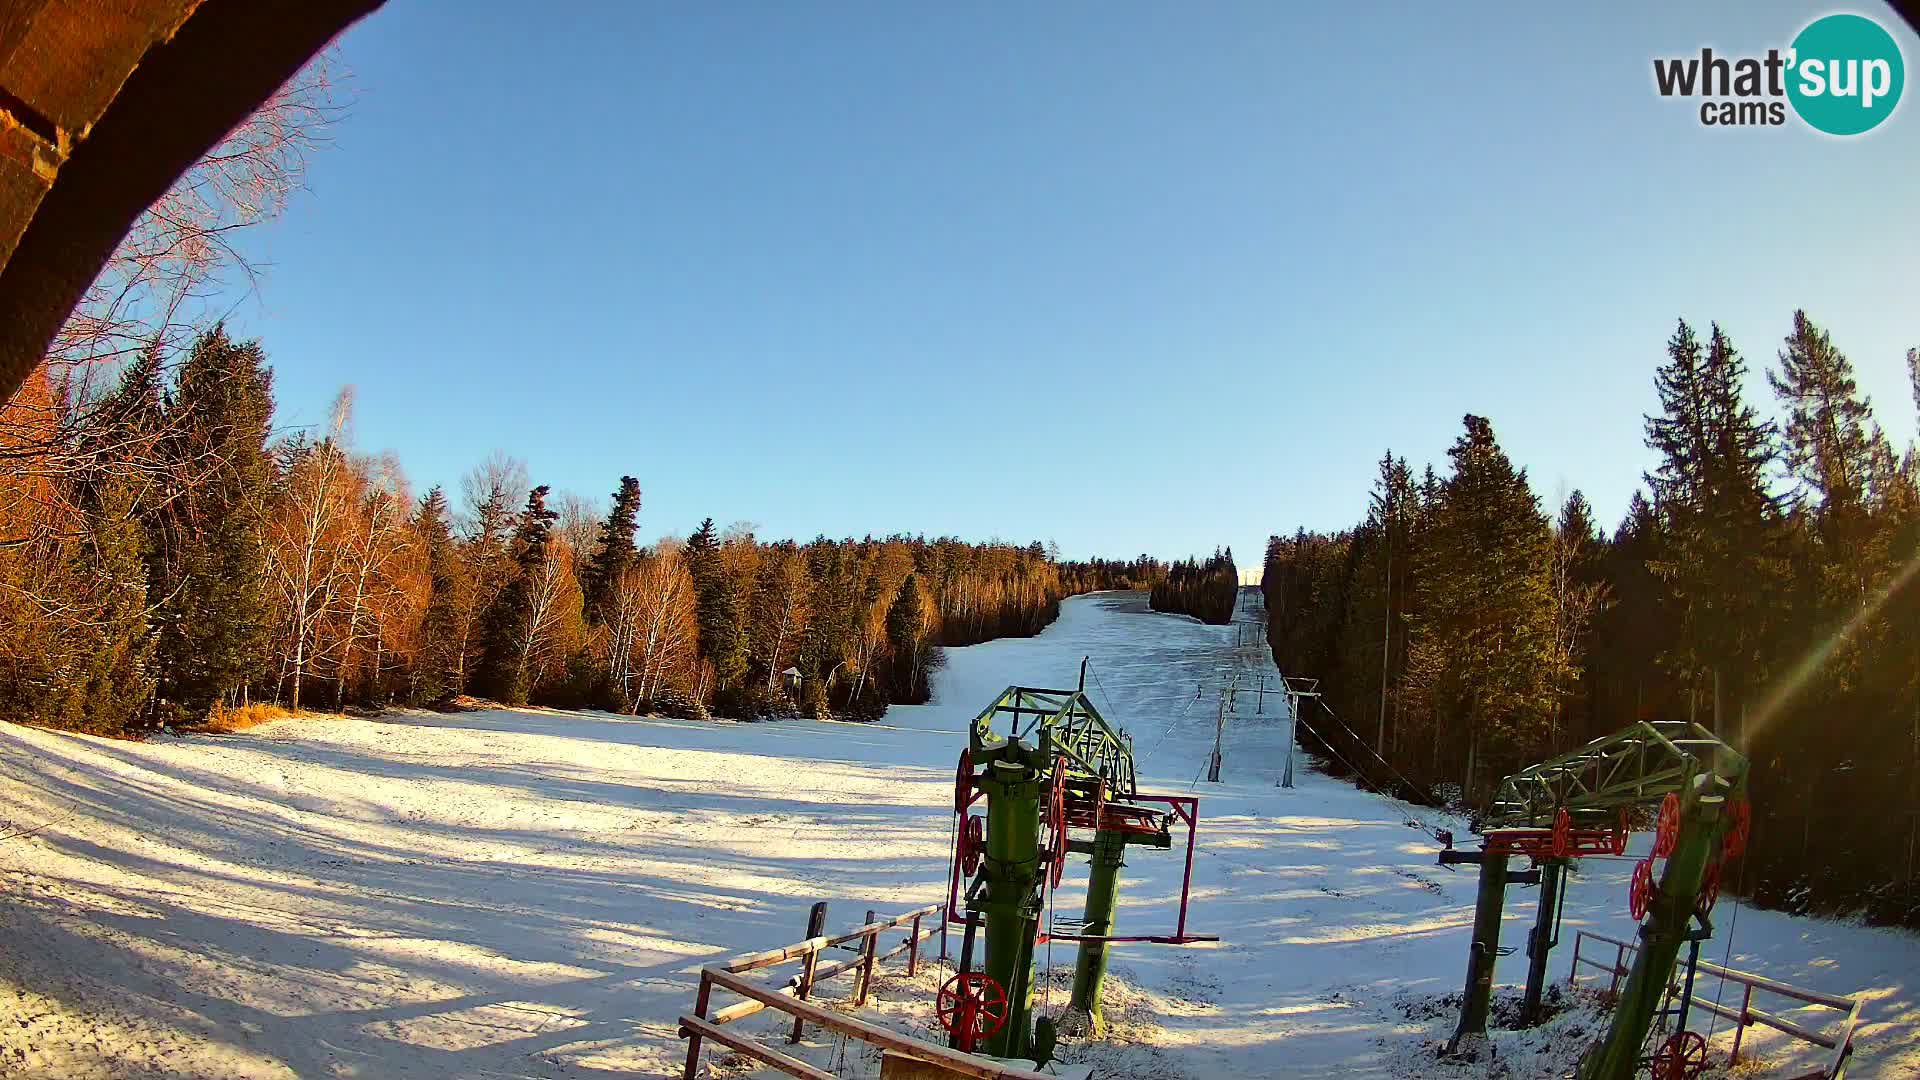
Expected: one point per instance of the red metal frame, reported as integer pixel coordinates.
(1129, 819)
(1556, 843)
(1186, 808)
(1641, 889)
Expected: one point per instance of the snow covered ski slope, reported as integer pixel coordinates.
(528, 894)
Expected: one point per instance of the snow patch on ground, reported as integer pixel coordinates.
(531, 894)
(1550, 1049)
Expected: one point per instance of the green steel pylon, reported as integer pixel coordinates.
(1109, 851)
(1544, 936)
(1007, 893)
(1563, 808)
(1665, 930)
(1058, 761)
(1477, 999)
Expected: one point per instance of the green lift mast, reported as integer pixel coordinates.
(1058, 766)
(1580, 803)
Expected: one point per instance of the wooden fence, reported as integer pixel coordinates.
(701, 1026)
(1840, 1042)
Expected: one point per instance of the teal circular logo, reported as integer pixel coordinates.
(1845, 74)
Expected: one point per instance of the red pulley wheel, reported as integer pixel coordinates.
(1057, 801)
(1640, 891)
(1738, 830)
(1058, 859)
(973, 844)
(1562, 832)
(1709, 890)
(971, 1006)
(1057, 823)
(1667, 832)
(1681, 1057)
(1620, 833)
(963, 782)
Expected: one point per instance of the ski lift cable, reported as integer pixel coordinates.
(1369, 749)
(1111, 707)
(1329, 749)
(1047, 1005)
(1170, 726)
(1195, 782)
(1413, 818)
(1411, 810)
(1726, 960)
(1402, 777)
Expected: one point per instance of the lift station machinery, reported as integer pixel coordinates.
(1058, 780)
(1583, 803)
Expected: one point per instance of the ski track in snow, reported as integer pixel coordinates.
(531, 894)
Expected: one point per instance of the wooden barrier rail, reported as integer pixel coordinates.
(791, 998)
(1841, 1043)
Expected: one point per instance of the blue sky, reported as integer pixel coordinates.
(1130, 277)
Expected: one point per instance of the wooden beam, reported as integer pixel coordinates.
(756, 961)
(766, 1055)
(741, 1010)
(1781, 1023)
(965, 1064)
(1798, 993)
(884, 924)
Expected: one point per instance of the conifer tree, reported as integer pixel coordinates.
(1373, 631)
(437, 673)
(111, 685)
(780, 617)
(829, 643)
(75, 641)
(1724, 555)
(1207, 591)
(1579, 594)
(615, 552)
(1708, 585)
(721, 642)
(1634, 633)
(907, 645)
(509, 636)
(135, 414)
(1829, 438)
(1913, 375)
(210, 584)
(1483, 648)
(490, 492)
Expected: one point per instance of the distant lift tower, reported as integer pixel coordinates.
(1298, 690)
(1229, 706)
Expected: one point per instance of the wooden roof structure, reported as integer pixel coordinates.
(103, 105)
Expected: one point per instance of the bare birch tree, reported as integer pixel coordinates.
(666, 632)
(784, 595)
(305, 561)
(553, 624)
(376, 557)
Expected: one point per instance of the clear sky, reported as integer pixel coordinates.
(1131, 277)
